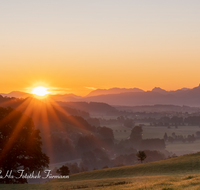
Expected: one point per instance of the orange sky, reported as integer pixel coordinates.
(75, 46)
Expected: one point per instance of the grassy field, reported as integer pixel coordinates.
(186, 164)
(186, 182)
(175, 173)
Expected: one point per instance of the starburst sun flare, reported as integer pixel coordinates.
(40, 91)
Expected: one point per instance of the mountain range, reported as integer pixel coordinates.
(98, 92)
(16, 94)
(130, 97)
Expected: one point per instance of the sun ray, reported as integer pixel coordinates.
(74, 121)
(12, 114)
(47, 132)
(16, 131)
(9, 101)
(42, 112)
(54, 114)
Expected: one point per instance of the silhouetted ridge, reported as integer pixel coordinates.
(113, 91)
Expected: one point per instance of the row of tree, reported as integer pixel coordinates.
(179, 138)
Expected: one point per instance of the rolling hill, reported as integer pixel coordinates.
(171, 174)
(186, 164)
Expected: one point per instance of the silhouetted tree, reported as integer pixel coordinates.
(20, 146)
(105, 132)
(136, 136)
(64, 170)
(141, 156)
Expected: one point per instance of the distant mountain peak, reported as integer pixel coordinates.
(16, 94)
(184, 89)
(159, 90)
(114, 90)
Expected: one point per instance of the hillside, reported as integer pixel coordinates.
(187, 164)
(171, 174)
(97, 107)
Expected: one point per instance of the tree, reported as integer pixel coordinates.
(141, 156)
(73, 168)
(64, 170)
(105, 132)
(136, 136)
(20, 146)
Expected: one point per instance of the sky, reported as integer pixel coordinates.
(74, 46)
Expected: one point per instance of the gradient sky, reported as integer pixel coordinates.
(78, 45)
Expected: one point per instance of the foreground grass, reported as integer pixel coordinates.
(176, 173)
(187, 182)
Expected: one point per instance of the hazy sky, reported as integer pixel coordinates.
(75, 44)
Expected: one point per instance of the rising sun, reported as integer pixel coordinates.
(40, 91)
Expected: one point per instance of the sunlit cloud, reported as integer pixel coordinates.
(91, 88)
(55, 90)
(52, 90)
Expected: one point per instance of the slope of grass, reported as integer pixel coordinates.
(180, 165)
(172, 174)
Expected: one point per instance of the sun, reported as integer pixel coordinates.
(40, 91)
